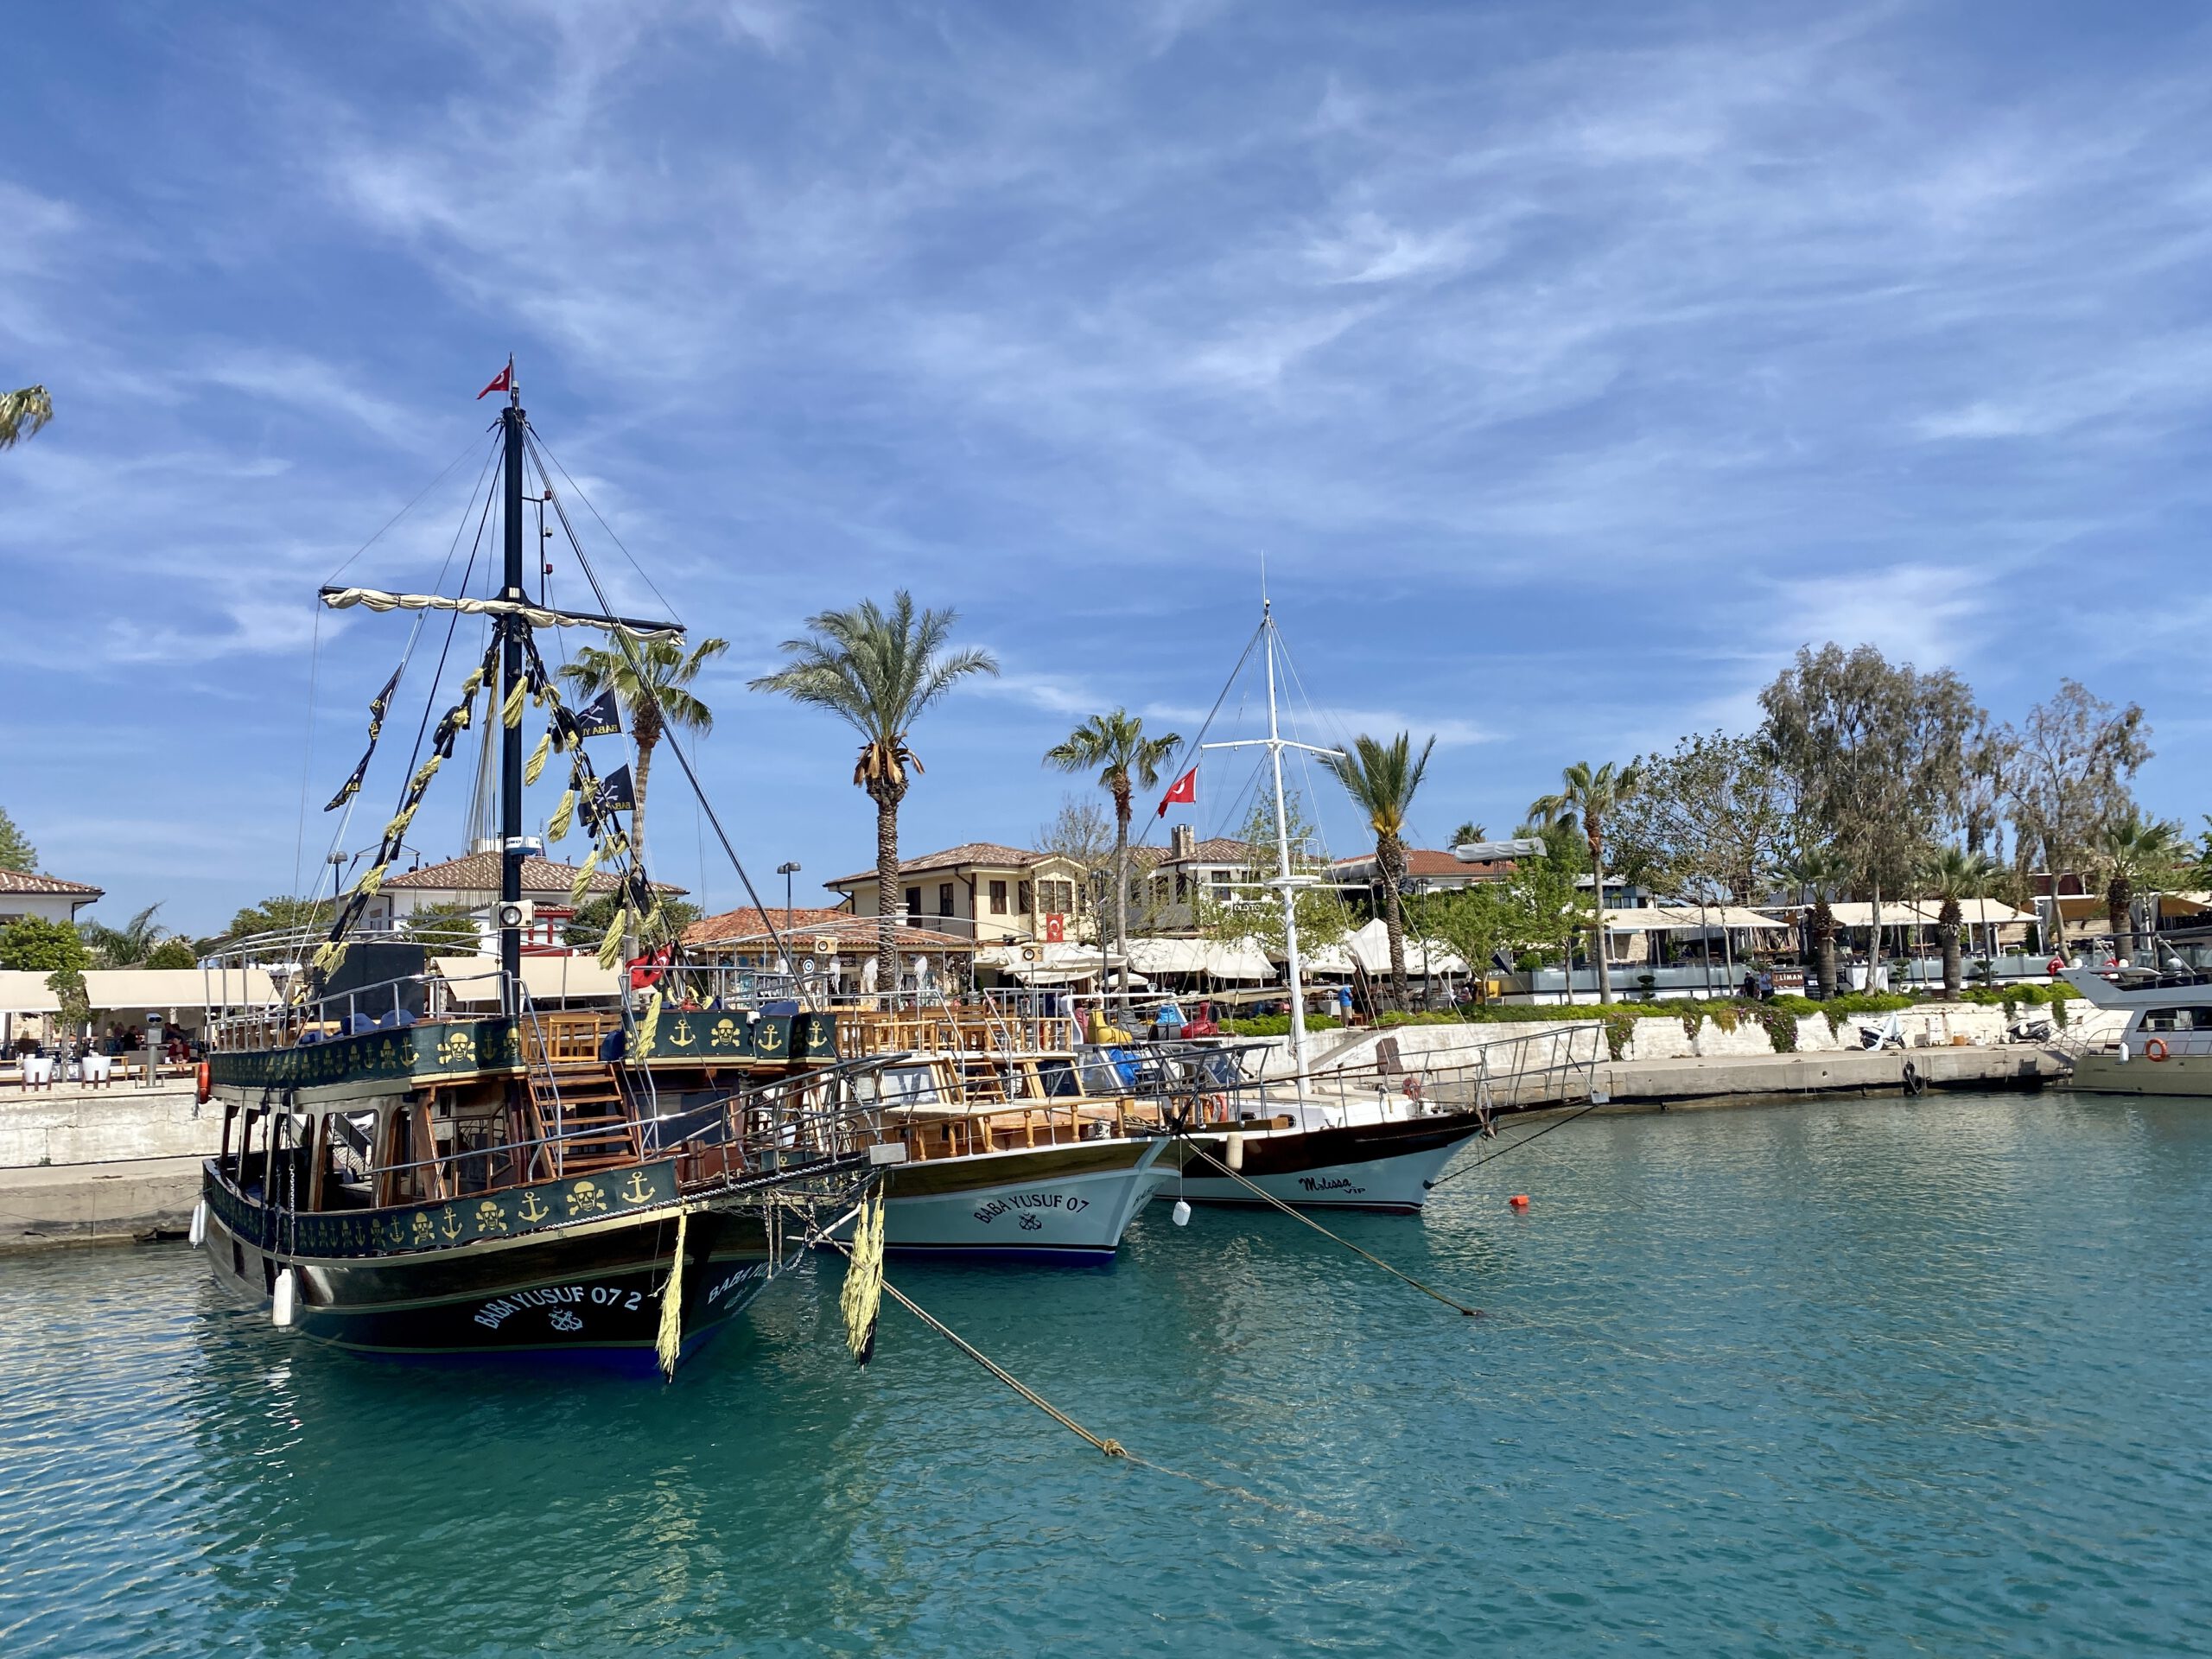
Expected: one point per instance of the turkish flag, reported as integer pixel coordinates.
(1055, 930)
(1184, 792)
(503, 381)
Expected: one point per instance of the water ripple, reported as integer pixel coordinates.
(1870, 1378)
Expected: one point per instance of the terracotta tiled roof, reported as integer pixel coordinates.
(1430, 862)
(480, 873)
(855, 935)
(989, 853)
(25, 882)
(1220, 849)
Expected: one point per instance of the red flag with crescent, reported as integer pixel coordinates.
(1184, 792)
(503, 381)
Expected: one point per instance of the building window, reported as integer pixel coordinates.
(1182, 887)
(1056, 898)
(1026, 906)
(998, 898)
(914, 901)
(944, 898)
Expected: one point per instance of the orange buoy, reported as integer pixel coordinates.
(1519, 1201)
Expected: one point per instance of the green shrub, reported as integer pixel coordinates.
(1276, 1025)
(1723, 1015)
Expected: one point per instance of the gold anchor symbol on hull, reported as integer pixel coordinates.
(532, 1211)
(639, 1190)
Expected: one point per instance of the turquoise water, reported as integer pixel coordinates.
(1883, 1378)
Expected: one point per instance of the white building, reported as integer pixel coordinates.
(45, 897)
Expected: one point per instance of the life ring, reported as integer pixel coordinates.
(207, 1083)
(2155, 1049)
(1213, 1107)
(1410, 1087)
(2054, 966)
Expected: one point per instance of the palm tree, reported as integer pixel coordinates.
(1469, 831)
(1818, 872)
(1126, 761)
(21, 414)
(127, 946)
(2132, 850)
(1589, 796)
(877, 671)
(1953, 874)
(647, 678)
(1382, 778)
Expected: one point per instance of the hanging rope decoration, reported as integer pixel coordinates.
(668, 1347)
(455, 720)
(589, 800)
(862, 1299)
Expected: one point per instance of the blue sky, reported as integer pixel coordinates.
(1567, 365)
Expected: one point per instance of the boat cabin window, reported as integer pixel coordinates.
(2177, 1019)
(909, 1085)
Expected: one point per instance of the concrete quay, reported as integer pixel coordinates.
(97, 1204)
(1752, 1079)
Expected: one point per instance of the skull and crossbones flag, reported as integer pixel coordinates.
(616, 793)
(600, 717)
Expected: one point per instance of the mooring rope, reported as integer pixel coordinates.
(1296, 1215)
(1516, 1146)
(1107, 1447)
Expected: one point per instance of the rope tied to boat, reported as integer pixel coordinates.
(1184, 1135)
(1514, 1146)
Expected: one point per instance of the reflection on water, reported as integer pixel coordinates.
(1839, 1378)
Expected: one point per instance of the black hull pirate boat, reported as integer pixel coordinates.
(399, 1176)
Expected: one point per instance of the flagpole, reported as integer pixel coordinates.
(511, 757)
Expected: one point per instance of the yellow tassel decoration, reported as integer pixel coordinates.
(610, 948)
(469, 687)
(463, 712)
(510, 711)
(670, 1347)
(581, 885)
(398, 826)
(421, 780)
(648, 1027)
(862, 1298)
(371, 879)
(536, 764)
(563, 816)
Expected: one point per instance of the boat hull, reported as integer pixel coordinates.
(588, 1294)
(1383, 1167)
(2107, 1074)
(1061, 1203)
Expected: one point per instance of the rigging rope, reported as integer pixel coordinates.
(1514, 1146)
(668, 732)
(1297, 1215)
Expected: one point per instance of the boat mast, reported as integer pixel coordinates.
(1283, 882)
(511, 851)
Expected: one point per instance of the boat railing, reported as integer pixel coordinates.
(789, 1126)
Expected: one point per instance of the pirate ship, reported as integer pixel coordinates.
(406, 1170)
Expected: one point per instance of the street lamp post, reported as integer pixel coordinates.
(787, 871)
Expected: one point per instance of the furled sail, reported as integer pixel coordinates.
(339, 599)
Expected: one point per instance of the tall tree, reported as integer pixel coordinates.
(648, 677)
(1254, 915)
(1115, 746)
(22, 413)
(879, 671)
(1712, 814)
(1469, 830)
(127, 946)
(1588, 796)
(1875, 755)
(1953, 874)
(1818, 873)
(281, 914)
(17, 852)
(1382, 780)
(2134, 854)
(2068, 774)
(1080, 832)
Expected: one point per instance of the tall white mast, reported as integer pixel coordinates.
(1286, 883)
(1282, 859)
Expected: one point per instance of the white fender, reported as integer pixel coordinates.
(286, 1300)
(199, 1234)
(1235, 1159)
(1181, 1212)
(2122, 1056)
